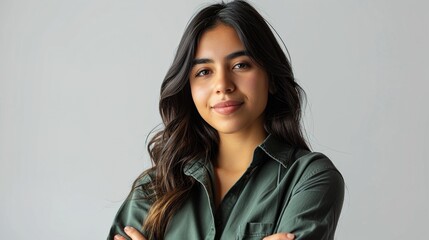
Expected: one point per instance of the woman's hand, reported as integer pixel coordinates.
(132, 233)
(280, 236)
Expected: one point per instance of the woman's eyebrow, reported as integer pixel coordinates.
(201, 61)
(228, 57)
(236, 54)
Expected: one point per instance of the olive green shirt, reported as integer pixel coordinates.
(283, 190)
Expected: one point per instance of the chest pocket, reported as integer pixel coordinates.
(255, 231)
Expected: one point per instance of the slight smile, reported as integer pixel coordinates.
(227, 107)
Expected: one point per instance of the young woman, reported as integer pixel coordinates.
(231, 161)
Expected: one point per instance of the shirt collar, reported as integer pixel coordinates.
(272, 147)
(277, 150)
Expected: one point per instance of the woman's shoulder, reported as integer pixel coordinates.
(313, 159)
(315, 165)
(294, 156)
(145, 178)
(141, 186)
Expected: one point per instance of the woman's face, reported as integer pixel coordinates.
(229, 89)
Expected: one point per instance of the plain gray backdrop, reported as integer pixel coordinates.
(79, 88)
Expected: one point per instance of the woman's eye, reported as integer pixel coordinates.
(241, 65)
(202, 73)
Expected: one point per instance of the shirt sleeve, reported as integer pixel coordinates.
(132, 213)
(315, 205)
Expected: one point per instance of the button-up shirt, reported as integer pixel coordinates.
(283, 190)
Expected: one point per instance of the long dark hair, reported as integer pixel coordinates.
(186, 136)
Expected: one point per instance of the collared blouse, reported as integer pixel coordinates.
(283, 190)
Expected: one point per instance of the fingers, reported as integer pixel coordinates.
(131, 232)
(119, 237)
(280, 236)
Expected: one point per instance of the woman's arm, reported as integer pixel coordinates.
(136, 235)
(133, 211)
(315, 206)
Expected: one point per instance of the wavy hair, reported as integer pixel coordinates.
(185, 136)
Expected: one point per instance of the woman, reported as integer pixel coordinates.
(231, 161)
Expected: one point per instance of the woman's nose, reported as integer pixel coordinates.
(224, 83)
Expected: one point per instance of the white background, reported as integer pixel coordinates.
(79, 88)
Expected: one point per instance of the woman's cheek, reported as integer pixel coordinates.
(200, 95)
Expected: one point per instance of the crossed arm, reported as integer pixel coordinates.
(136, 235)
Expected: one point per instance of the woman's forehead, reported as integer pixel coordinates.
(219, 41)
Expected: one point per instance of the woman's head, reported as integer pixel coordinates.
(229, 89)
(282, 113)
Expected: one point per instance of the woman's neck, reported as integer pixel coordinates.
(236, 150)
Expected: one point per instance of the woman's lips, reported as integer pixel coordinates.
(227, 107)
